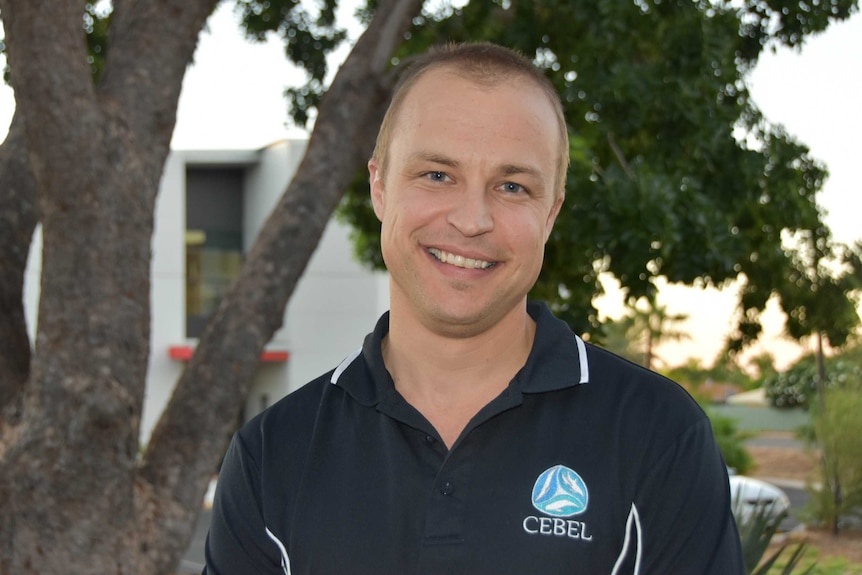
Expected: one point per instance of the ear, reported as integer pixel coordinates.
(378, 196)
(552, 216)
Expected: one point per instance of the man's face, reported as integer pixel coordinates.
(468, 199)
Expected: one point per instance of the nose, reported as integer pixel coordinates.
(471, 214)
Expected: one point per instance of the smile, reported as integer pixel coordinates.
(460, 261)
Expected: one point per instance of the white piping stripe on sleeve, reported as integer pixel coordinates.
(582, 358)
(633, 521)
(343, 365)
(639, 556)
(285, 560)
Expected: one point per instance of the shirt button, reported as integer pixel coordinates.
(429, 439)
(447, 488)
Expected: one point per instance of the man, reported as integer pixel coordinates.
(473, 432)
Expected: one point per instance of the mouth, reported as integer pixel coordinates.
(460, 261)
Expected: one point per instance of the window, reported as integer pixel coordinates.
(214, 216)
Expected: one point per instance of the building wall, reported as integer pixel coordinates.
(334, 306)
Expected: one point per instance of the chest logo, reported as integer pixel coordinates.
(560, 492)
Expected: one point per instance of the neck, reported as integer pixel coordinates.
(449, 379)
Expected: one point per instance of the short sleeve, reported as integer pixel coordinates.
(682, 513)
(238, 542)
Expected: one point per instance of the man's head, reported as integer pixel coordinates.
(471, 189)
(485, 64)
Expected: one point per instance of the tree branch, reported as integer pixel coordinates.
(226, 357)
(48, 58)
(145, 64)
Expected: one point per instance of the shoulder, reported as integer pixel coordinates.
(292, 416)
(631, 382)
(647, 410)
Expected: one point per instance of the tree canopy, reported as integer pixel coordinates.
(675, 172)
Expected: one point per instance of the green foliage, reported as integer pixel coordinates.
(615, 336)
(660, 184)
(755, 533)
(725, 369)
(816, 299)
(828, 566)
(308, 39)
(97, 21)
(644, 326)
(731, 442)
(838, 428)
(772, 565)
(836, 566)
(95, 25)
(764, 363)
(797, 387)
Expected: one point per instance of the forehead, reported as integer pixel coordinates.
(510, 116)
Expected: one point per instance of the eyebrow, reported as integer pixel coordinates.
(514, 169)
(432, 157)
(505, 169)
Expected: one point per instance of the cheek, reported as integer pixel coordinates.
(527, 233)
(409, 214)
(394, 230)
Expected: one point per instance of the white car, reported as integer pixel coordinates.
(749, 495)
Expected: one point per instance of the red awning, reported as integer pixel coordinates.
(185, 352)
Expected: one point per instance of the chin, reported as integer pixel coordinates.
(464, 321)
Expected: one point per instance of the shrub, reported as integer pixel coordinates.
(797, 387)
(792, 388)
(838, 429)
(755, 532)
(731, 442)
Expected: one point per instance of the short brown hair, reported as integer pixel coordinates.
(483, 63)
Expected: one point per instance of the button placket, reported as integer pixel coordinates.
(447, 488)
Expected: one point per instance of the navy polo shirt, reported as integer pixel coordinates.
(585, 464)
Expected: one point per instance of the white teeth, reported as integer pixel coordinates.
(460, 261)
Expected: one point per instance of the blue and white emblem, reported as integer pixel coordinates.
(560, 492)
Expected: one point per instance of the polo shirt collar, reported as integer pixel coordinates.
(557, 360)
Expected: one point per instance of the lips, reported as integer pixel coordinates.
(460, 261)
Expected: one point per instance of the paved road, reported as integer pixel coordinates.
(193, 560)
(775, 441)
(798, 500)
(795, 490)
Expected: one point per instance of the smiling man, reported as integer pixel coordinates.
(473, 432)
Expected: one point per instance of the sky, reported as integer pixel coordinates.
(232, 98)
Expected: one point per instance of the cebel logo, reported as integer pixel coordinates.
(560, 492)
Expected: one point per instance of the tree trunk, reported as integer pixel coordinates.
(68, 464)
(77, 496)
(18, 217)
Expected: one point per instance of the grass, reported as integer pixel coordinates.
(810, 557)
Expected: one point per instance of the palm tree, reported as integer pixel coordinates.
(651, 323)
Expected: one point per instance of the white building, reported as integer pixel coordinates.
(210, 208)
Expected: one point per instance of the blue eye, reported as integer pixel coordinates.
(513, 188)
(436, 176)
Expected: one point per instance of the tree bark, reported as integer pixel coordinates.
(68, 466)
(226, 356)
(18, 218)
